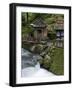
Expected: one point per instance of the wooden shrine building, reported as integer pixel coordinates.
(59, 27)
(39, 29)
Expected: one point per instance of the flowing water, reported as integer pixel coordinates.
(30, 65)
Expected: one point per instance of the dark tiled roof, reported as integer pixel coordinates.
(59, 26)
(39, 22)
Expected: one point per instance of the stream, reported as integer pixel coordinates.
(30, 66)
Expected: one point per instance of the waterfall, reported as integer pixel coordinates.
(31, 66)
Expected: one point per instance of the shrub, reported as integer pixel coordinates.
(51, 36)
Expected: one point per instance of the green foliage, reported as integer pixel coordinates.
(52, 35)
(57, 65)
(26, 30)
(50, 20)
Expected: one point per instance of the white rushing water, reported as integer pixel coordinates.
(31, 67)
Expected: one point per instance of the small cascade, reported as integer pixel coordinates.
(31, 66)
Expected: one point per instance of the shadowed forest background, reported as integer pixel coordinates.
(51, 49)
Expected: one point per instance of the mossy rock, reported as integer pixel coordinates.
(46, 61)
(37, 48)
